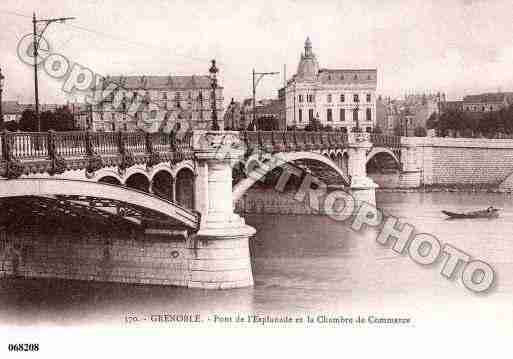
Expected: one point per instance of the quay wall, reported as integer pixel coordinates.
(466, 161)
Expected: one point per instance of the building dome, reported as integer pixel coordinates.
(308, 67)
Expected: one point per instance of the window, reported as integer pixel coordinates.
(310, 115)
(368, 97)
(341, 77)
(355, 115)
(113, 127)
(342, 98)
(368, 114)
(355, 98)
(329, 115)
(329, 98)
(355, 77)
(342, 115)
(329, 77)
(310, 98)
(113, 116)
(300, 98)
(368, 129)
(369, 77)
(300, 115)
(164, 95)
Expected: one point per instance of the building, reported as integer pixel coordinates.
(271, 114)
(339, 98)
(487, 102)
(233, 116)
(154, 103)
(11, 111)
(265, 110)
(82, 115)
(403, 116)
(451, 106)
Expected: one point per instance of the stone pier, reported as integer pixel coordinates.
(362, 187)
(219, 250)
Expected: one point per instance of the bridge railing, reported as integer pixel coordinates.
(70, 144)
(105, 143)
(385, 140)
(278, 141)
(24, 145)
(34, 146)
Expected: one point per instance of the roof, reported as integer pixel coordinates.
(161, 82)
(340, 76)
(498, 97)
(274, 107)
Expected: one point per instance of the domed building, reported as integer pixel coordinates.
(340, 98)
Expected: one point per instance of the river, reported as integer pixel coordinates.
(312, 264)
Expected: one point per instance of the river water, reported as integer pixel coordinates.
(312, 264)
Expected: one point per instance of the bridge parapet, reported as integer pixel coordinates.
(56, 152)
(293, 141)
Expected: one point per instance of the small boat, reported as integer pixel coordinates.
(490, 212)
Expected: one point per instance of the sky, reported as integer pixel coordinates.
(455, 46)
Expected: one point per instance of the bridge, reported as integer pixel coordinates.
(177, 189)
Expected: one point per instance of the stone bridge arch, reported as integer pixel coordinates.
(317, 163)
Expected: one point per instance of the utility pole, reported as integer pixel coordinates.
(1, 91)
(37, 38)
(257, 76)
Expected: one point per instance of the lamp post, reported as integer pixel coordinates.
(257, 76)
(213, 83)
(37, 39)
(1, 90)
(232, 105)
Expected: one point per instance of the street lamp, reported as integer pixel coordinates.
(259, 76)
(232, 105)
(213, 83)
(37, 38)
(1, 90)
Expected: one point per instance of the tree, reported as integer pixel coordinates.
(432, 121)
(419, 132)
(28, 121)
(10, 126)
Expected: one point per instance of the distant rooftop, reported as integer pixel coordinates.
(161, 82)
(498, 97)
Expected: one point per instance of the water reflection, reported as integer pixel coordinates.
(309, 264)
